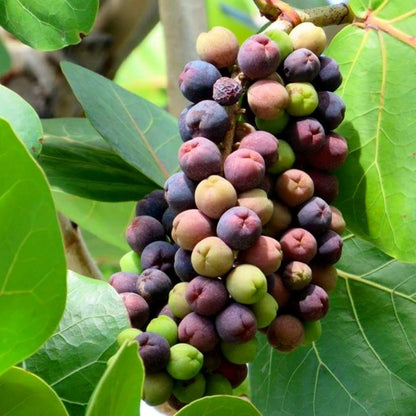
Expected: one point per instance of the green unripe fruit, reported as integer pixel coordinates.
(127, 334)
(177, 302)
(256, 199)
(157, 388)
(281, 38)
(265, 310)
(309, 36)
(240, 353)
(187, 391)
(275, 125)
(130, 262)
(312, 332)
(246, 284)
(217, 384)
(185, 361)
(211, 257)
(166, 327)
(286, 158)
(303, 99)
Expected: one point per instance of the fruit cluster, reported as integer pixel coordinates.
(243, 238)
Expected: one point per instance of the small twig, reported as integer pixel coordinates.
(77, 255)
(321, 16)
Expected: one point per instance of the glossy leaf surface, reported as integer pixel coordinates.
(141, 133)
(73, 360)
(23, 119)
(32, 262)
(377, 57)
(48, 24)
(364, 363)
(23, 393)
(77, 160)
(119, 389)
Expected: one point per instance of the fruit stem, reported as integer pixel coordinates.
(289, 16)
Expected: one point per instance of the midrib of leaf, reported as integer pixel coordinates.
(349, 276)
(343, 387)
(370, 346)
(143, 137)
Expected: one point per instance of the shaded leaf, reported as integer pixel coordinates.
(378, 181)
(23, 118)
(219, 406)
(32, 261)
(48, 24)
(119, 389)
(23, 393)
(144, 135)
(5, 62)
(106, 220)
(73, 360)
(77, 160)
(364, 363)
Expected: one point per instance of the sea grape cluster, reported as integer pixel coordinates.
(243, 239)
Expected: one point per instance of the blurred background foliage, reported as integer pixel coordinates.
(144, 73)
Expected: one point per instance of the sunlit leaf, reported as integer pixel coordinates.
(23, 118)
(32, 261)
(144, 135)
(119, 390)
(365, 361)
(48, 24)
(219, 406)
(23, 393)
(73, 360)
(378, 183)
(106, 220)
(77, 160)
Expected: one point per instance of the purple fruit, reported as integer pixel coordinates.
(330, 111)
(264, 143)
(179, 192)
(208, 119)
(160, 255)
(305, 135)
(227, 91)
(124, 282)
(137, 309)
(329, 247)
(258, 56)
(154, 286)
(144, 230)
(239, 228)
(302, 65)
(183, 265)
(314, 215)
(329, 77)
(312, 303)
(199, 158)
(154, 351)
(197, 79)
(236, 324)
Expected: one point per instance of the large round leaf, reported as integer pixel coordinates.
(377, 56)
(48, 24)
(74, 358)
(364, 363)
(23, 393)
(32, 261)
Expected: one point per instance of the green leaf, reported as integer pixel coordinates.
(77, 160)
(23, 393)
(106, 220)
(48, 24)
(365, 361)
(144, 135)
(23, 118)
(378, 182)
(5, 61)
(74, 358)
(32, 261)
(119, 390)
(219, 406)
